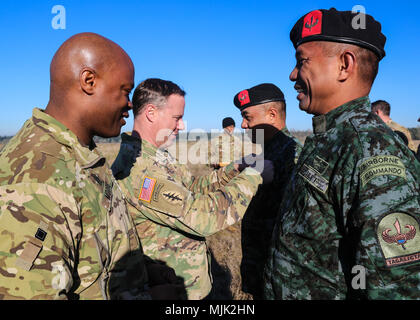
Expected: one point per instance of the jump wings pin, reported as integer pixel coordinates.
(399, 238)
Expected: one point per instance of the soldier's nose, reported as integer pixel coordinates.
(293, 74)
(181, 125)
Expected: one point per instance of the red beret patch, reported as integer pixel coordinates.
(312, 24)
(243, 97)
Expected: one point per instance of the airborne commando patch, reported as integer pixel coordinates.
(381, 166)
(399, 239)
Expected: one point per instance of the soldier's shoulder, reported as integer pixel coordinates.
(369, 128)
(373, 138)
(32, 155)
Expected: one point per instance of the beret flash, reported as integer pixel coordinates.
(338, 26)
(262, 93)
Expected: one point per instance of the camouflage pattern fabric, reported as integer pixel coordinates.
(257, 225)
(353, 201)
(65, 232)
(225, 148)
(397, 127)
(174, 211)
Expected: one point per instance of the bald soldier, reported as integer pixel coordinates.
(263, 110)
(65, 232)
(349, 227)
(175, 210)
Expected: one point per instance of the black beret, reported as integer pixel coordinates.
(339, 26)
(262, 93)
(226, 122)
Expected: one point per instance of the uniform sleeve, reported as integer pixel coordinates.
(200, 214)
(383, 212)
(36, 249)
(211, 182)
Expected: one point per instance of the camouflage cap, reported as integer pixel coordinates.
(339, 26)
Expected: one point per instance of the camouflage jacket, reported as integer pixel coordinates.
(397, 127)
(65, 232)
(257, 225)
(174, 211)
(349, 227)
(225, 148)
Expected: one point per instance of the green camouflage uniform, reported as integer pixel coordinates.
(174, 211)
(257, 225)
(65, 232)
(353, 201)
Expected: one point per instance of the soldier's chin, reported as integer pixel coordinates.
(304, 105)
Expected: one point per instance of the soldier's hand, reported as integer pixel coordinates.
(168, 292)
(247, 161)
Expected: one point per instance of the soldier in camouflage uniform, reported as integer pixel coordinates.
(175, 210)
(350, 225)
(225, 148)
(65, 232)
(264, 107)
(382, 109)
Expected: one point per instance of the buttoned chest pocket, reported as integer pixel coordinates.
(309, 224)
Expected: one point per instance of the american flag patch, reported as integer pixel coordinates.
(147, 189)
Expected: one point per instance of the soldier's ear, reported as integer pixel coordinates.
(272, 113)
(87, 80)
(347, 65)
(151, 112)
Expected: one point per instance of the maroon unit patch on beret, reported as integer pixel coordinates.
(312, 24)
(243, 97)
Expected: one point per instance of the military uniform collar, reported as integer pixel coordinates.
(59, 132)
(325, 122)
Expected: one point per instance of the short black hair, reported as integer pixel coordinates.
(155, 91)
(228, 121)
(383, 106)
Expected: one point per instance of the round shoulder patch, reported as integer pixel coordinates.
(399, 238)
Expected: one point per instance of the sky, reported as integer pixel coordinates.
(211, 49)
